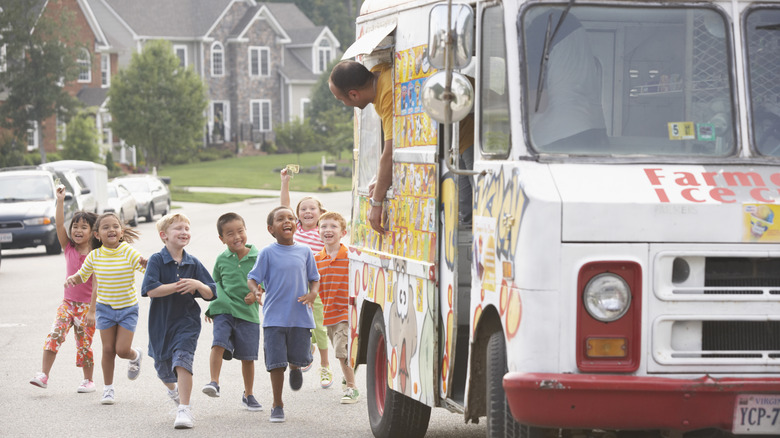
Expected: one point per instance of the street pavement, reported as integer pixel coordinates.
(31, 287)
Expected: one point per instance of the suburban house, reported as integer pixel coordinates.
(97, 62)
(259, 60)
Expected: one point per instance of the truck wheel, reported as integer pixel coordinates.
(390, 413)
(500, 422)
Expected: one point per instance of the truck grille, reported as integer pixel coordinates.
(733, 273)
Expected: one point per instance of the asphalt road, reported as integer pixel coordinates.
(31, 289)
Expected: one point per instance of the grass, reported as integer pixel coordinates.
(255, 172)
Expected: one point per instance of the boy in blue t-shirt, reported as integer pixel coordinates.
(235, 313)
(287, 272)
(173, 280)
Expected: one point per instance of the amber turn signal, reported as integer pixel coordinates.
(606, 347)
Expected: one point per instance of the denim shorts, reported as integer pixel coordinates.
(238, 336)
(283, 345)
(107, 317)
(166, 368)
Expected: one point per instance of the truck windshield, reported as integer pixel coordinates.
(627, 81)
(763, 42)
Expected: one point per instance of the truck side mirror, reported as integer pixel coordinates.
(462, 28)
(447, 106)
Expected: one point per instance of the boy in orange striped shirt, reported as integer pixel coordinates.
(333, 266)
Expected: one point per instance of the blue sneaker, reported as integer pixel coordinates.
(277, 415)
(211, 389)
(250, 402)
(296, 379)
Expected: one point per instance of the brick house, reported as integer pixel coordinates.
(259, 60)
(97, 61)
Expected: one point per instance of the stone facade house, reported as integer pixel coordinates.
(259, 60)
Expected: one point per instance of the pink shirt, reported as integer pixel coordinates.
(81, 293)
(309, 238)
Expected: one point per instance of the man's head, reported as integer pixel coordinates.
(352, 83)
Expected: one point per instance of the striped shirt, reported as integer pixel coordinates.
(334, 285)
(114, 271)
(309, 238)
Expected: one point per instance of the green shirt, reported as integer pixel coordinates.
(230, 273)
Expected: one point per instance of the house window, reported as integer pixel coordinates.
(85, 66)
(305, 105)
(181, 53)
(105, 70)
(324, 53)
(217, 59)
(259, 61)
(260, 112)
(32, 136)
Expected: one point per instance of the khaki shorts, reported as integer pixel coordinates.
(339, 337)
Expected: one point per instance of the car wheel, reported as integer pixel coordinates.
(122, 217)
(54, 248)
(134, 220)
(167, 208)
(150, 215)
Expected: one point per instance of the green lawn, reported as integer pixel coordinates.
(256, 172)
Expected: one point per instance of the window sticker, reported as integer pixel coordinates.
(681, 131)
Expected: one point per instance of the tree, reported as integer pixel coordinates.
(330, 119)
(38, 60)
(81, 141)
(296, 136)
(157, 105)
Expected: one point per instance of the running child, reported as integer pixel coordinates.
(74, 306)
(173, 280)
(235, 312)
(113, 308)
(288, 273)
(308, 212)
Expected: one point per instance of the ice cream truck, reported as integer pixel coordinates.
(621, 268)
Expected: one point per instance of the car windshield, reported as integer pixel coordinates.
(20, 188)
(112, 191)
(763, 41)
(641, 81)
(137, 185)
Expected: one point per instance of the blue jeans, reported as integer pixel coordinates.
(166, 368)
(107, 317)
(239, 337)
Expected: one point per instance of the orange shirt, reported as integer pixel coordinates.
(334, 285)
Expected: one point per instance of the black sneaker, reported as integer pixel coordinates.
(296, 379)
(211, 389)
(250, 403)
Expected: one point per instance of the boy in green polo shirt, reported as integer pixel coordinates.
(235, 312)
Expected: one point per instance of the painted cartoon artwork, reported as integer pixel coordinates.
(412, 126)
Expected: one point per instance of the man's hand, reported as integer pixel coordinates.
(375, 219)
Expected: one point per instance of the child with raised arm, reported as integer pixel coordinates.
(308, 212)
(235, 312)
(73, 309)
(333, 266)
(113, 308)
(290, 281)
(173, 280)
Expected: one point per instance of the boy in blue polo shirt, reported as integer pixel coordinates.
(173, 280)
(235, 312)
(289, 278)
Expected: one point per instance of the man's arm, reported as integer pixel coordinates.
(384, 177)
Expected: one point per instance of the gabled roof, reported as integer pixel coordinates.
(254, 13)
(92, 96)
(296, 69)
(172, 19)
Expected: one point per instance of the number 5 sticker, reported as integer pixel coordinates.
(682, 131)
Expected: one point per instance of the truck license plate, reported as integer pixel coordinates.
(6, 237)
(756, 414)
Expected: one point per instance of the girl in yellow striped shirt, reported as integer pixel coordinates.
(114, 306)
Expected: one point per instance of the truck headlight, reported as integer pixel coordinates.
(607, 297)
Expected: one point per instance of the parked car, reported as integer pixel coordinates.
(27, 206)
(151, 194)
(122, 202)
(93, 176)
(74, 184)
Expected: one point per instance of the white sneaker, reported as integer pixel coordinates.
(174, 395)
(108, 397)
(184, 419)
(134, 366)
(86, 386)
(40, 380)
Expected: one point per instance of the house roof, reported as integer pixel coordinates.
(169, 18)
(295, 68)
(92, 96)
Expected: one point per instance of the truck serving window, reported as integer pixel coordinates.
(763, 42)
(627, 81)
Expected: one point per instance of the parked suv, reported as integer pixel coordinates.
(150, 192)
(27, 206)
(74, 184)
